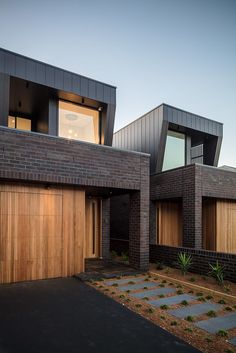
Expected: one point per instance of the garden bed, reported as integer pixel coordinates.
(181, 327)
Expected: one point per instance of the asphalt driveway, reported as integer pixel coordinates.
(66, 315)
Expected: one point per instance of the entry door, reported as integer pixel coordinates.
(92, 237)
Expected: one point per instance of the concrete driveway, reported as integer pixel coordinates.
(66, 315)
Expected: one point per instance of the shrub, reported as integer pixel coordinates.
(131, 282)
(188, 329)
(217, 272)
(184, 302)
(128, 291)
(162, 317)
(211, 313)
(161, 296)
(222, 333)
(208, 297)
(164, 281)
(189, 318)
(173, 323)
(222, 301)
(179, 291)
(138, 305)
(185, 262)
(164, 307)
(125, 256)
(122, 296)
(190, 291)
(150, 310)
(201, 299)
(115, 285)
(113, 254)
(145, 287)
(159, 265)
(145, 298)
(192, 279)
(228, 308)
(209, 339)
(199, 294)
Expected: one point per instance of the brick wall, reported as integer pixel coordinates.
(201, 259)
(38, 157)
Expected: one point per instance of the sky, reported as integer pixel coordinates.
(180, 52)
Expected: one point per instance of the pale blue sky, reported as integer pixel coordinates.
(181, 52)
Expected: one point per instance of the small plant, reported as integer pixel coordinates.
(131, 282)
(138, 305)
(164, 307)
(173, 323)
(190, 291)
(145, 298)
(113, 292)
(179, 292)
(115, 285)
(106, 290)
(189, 318)
(179, 286)
(159, 265)
(217, 272)
(188, 329)
(185, 262)
(161, 296)
(184, 302)
(209, 339)
(113, 254)
(145, 287)
(199, 294)
(201, 299)
(128, 291)
(164, 281)
(156, 278)
(150, 310)
(146, 280)
(228, 351)
(162, 317)
(125, 256)
(100, 286)
(171, 284)
(211, 313)
(222, 333)
(192, 279)
(161, 285)
(209, 297)
(228, 308)
(222, 301)
(122, 296)
(127, 300)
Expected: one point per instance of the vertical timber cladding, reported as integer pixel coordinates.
(41, 232)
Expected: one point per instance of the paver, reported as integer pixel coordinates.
(138, 286)
(154, 292)
(196, 309)
(124, 280)
(213, 325)
(172, 300)
(233, 341)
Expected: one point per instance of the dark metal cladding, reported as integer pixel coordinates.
(148, 134)
(62, 84)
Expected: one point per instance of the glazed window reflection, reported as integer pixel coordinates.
(78, 123)
(174, 151)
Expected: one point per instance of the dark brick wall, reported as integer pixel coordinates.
(38, 157)
(201, 259)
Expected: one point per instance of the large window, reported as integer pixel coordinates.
(174, 151)
(78, 123)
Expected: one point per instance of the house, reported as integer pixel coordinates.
(192, 202)
(58, 172)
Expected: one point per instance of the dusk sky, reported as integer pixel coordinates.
(181, 52)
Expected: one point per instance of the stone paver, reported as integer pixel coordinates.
(172, 300)
(196, 309)
(233, 341)
(213, 325)
(125, 280)
(154, 292)
(138, 286)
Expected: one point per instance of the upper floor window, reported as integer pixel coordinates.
(174, 156)
(78, 123)
(19, 123)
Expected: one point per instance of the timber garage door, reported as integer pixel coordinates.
(41, 232)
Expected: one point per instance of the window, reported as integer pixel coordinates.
(19, 123)
(175, 151)
(78, 123)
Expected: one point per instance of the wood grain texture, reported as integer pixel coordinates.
(209, 224)
(169, 223)
(42, 232)
(226, 226)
